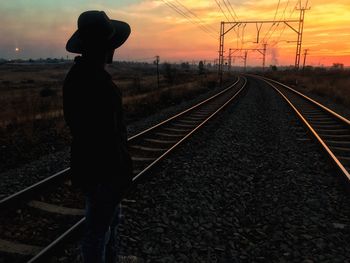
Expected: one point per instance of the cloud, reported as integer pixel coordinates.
(42, 27)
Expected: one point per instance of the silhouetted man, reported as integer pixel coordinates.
(100, 163)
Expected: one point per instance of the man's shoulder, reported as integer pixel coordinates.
(72, 74)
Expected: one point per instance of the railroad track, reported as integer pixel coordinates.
(329, 129)
(39, 220)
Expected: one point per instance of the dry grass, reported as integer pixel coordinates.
(31, 121)
(328, 83)
(29, 93)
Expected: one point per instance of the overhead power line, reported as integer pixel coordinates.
(273, 24)
(233, 11)
(194, 15)
(222, 11)
(189, 18)
(284, 27)
(229, 11)
(278, 6)
(282, 17)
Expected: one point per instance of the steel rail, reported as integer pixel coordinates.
(299, 114)
(61, 175)
(43, 255)
(336, 115)
(27, 192)
(197, 115)
(189, 134)
(185, 111)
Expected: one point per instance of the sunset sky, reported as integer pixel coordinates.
(40, 28)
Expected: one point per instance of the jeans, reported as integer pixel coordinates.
(102, 217)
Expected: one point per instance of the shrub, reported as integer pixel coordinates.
(47, 92)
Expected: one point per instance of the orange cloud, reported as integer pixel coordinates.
(157, 29)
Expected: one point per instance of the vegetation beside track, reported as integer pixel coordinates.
(332, 83)
(29, 91)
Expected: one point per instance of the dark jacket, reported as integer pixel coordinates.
(92, 106)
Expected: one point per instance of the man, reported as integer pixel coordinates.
(92, 103)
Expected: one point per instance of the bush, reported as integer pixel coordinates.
(47, 92)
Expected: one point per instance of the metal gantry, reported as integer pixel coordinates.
(259, 23)
(262, 51)
(305, 54)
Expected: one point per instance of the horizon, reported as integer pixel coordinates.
(192, 63)
(40, 29)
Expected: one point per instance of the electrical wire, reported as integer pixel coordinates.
(274, 19)
(233, 11)
(222, 11)
(183, 14)
(194, 15)
(229, 11)
(236, 30)
(282, 18)
(284, 26)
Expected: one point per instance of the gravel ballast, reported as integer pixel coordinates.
(250, 187)
(21, 177)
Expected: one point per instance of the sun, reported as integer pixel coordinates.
(17, 49)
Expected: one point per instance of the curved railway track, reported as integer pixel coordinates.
(32, 221)
(330, 130)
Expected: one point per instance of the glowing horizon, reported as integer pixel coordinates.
(40, 29)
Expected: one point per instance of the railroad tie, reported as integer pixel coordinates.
(344, 159)
(137, 171)
(169, 135)
(160, 141)
(333, 126)
(55, 208)
(142, 159)
(338, 143)
(188, 121)
(176, 130)
(18, 248)
(148, 148)
(341, 150)
(332, 131)
(183, 125)
(335, 136)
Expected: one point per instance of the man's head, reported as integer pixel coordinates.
(97, 35)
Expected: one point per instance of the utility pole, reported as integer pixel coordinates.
(221, 51)
(264, 55)
(305, 54)
(245, 60)
(157, 63)
(300, 33)
(229, 59)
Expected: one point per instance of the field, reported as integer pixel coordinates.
(331, 83)
(31, 117)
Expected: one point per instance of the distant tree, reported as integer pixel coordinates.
(201, 67)
(169, 72)
(338, 66)
(185, 65)
(308, 68)
(3, 61)
(137, 83)
(273, 67)
(47, 92)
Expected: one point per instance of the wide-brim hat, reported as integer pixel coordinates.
(97, 31)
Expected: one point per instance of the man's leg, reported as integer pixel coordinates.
(111, 246)
(100, 210)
